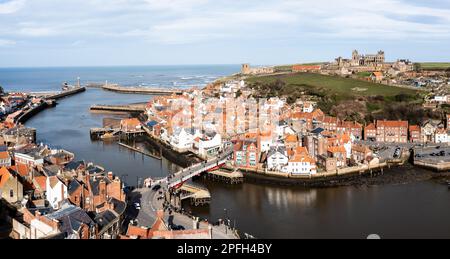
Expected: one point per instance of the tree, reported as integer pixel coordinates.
(447, 71)
(417, 67)
(1, 90)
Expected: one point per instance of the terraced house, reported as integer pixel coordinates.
(392, 131)
(246, 153)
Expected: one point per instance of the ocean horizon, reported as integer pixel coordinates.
(51, 78)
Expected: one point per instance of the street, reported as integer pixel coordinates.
(146, 216)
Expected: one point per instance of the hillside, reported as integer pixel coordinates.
(343, 97)
(435, 65)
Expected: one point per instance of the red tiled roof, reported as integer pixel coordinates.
(302, 158)
(392, 124)
(371, 126)
(42, 182)
(4, 155)
(414, 128)
(337, 149)
(305, 67)
(290, 138)
(22, 169)
(378, 74)
(4, 176)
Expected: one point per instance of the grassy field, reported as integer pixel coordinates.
(435, 66)
(346, 98)
(342, 88)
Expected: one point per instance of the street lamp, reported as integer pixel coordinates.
(225, 220)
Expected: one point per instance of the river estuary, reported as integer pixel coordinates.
(409, 210)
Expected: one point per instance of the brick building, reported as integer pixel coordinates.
(392, 131)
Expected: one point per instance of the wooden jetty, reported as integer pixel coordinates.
(141, 90)
(231, 177)
(140, 151)
(196, 195)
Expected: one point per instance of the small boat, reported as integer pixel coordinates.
(107, 136)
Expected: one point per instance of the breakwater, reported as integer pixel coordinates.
(118, 108)
(142, 90)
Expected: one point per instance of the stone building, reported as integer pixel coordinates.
(248, 70)
(11, 186)
(368, 59)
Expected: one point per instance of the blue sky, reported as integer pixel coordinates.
(162, 32)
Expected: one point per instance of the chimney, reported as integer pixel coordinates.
(210, 228)
(102, 189)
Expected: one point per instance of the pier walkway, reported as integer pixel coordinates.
(198, 195)
(118, 108)
(141, 90)
(60, 94)
(231, 177)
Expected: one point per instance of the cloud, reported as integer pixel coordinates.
(11, 6)
(238, 27)
(6, 43)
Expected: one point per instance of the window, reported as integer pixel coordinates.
(11, 193)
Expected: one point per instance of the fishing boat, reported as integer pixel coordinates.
(108, 136)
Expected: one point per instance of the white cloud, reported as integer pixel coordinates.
(11, 6)
(190, 21)
(37, 31)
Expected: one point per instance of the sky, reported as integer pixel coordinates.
(264, 32)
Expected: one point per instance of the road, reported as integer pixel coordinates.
(150, 204)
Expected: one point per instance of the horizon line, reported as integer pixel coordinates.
(173, 65)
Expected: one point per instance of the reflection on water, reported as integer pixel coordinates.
(67, 126)
(415, 210)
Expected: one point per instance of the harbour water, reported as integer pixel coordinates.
(410, 210)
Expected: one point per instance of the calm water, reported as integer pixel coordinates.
(416, 210)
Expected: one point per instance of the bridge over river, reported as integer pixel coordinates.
(177, 180)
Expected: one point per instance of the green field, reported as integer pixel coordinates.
(342, 88)
(435, 65)
(346, 98)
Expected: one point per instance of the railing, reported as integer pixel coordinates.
(198, 169)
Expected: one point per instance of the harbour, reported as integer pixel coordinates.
(307, 212)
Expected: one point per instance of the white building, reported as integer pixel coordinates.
(440, 99)
(282, 129)
(308, 107)
(183, 139)
(277, 158)
(265, 141)
(56, 192)
(210, 144)
(30, 159)
(301, 164)
(441, 136)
